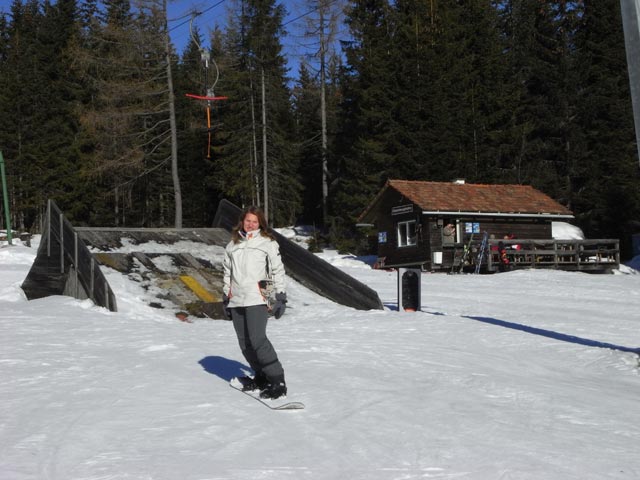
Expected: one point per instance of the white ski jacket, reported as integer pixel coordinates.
(245, 264)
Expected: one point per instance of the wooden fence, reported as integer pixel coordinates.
(598, 256)
(64, 265)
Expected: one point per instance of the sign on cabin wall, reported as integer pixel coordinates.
(472, 227)
(382, 237)
(400, 209)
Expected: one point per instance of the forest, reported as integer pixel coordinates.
(94, 112)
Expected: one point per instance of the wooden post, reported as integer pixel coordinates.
(49, 228)
(61, 243)
(105, 288)
(75, 261)
(91, 282)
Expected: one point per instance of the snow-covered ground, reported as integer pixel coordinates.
(521, 375)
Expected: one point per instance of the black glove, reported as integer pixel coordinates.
(225, 307)
(280, 305)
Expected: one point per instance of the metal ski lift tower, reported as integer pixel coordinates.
(209, 95)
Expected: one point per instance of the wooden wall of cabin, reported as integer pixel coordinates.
(387, 225)
(496, 228)
(520, 228)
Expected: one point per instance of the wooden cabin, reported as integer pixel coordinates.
(440, 226)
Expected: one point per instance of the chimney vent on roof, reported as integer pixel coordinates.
(459, 181)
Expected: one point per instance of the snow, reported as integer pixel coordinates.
(521, 375)
(566, 231)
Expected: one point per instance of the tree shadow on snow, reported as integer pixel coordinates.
(555, 335)
(223, 367)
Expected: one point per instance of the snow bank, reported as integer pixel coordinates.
(566, 231)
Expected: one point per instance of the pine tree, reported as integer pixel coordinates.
(539, 53)
(17, 114)
(449, 78)
(415, 74)
(236, 158)
(197, 157)
(126, 121)
(565, 128)
(4, 38)
(110, 160)
(159, 120)
(367, 156)
(4, 52)
(606, 186)
(474, 79)
(259, 114)
(39, 123)
(320, 33)
(61, 126)
(306, 103)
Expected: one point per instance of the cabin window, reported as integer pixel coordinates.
(407, 233)
(449, 234)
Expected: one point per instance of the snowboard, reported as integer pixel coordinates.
(278, 404)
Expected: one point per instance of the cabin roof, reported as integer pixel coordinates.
(457, 197)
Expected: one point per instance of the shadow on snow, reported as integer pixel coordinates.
(224, 368)
(555, 335)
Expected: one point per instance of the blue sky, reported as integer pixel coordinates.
(215, 12)
(179, 14)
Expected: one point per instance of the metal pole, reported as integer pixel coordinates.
(631, 26)
(5, 197)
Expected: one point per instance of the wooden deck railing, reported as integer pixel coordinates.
(582, 255)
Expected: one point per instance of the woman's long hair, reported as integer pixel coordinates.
(262, 220)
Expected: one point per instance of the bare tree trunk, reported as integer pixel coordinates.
(324, 28)
(172, 122)
(116, 210)
(323, 115)
(265, 187)
(256, 178)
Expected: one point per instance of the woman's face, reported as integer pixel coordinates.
(250, 222)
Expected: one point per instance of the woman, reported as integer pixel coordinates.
(252, 256)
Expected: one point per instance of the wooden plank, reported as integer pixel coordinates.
(105, 238)
(198, 289)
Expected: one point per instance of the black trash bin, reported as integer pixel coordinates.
(409, 291)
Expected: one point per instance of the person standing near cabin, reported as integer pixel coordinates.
(251, 257)
(505, 264)
(449, 233)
